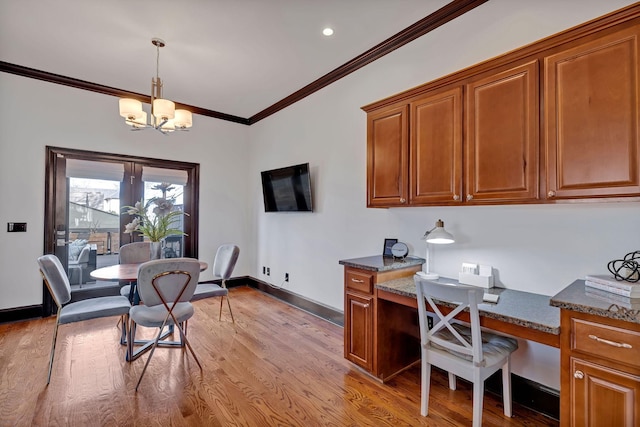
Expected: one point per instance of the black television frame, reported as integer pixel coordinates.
(287, 189)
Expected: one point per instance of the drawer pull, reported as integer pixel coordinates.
(612, 343)
(578, 374)
(357, 280)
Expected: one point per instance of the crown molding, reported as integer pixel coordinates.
(436, 19)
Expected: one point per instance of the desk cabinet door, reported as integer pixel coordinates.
(358, 331)
(603, 396)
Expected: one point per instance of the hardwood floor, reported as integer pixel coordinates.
(283, 367)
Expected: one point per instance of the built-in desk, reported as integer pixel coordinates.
(382, 334)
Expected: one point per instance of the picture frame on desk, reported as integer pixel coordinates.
(388, 244)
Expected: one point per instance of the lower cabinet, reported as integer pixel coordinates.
(364, 343)
(600, 384)
(358, 343)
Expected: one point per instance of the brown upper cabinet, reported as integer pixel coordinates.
(501, 136)
(591, 118)
(554, 120)
(388, 157)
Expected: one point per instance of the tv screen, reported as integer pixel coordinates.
(287, 189)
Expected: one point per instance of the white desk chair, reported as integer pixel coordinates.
(462, 351)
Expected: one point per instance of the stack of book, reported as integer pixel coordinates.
(608, 283)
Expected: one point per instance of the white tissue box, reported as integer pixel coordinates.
(483, 279)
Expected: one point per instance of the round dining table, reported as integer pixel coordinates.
(124, 272)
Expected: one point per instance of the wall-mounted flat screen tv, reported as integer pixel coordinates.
(287, 189)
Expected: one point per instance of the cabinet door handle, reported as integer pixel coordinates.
(551, 193)
(357, 280)
(456, 197)
(612, 343)
(578, 374)
(469, 197)
(403, 200)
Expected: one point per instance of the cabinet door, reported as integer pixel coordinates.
(603, 396)
(501, 140)
(358, 331)
(387, 157)
(436, 148)
(591, 118)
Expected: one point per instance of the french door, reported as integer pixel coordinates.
(84, 221)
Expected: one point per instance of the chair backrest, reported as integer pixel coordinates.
(445, 332)
(55, 278)
(168, 276)
(225, 261)
(83, 258)
(135, 253)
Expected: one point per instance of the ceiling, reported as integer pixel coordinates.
(238, 57)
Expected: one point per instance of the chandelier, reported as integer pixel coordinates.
(164, 116)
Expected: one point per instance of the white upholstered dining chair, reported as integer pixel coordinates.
(461, 351)
(223, 265)
(69, 312)
(165, 287)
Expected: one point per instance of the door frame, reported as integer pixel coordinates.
(54, 172)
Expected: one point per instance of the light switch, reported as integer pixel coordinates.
(13, 227)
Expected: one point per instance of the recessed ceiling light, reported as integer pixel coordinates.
(327, 31)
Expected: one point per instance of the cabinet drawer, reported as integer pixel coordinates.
(359, 281)
(609, 342)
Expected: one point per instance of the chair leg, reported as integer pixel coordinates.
(426, 383)
(183, 338)
(153, 349)
(478, 400)
(53, 348)
(506, 387)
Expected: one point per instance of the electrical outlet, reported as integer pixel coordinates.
(268, 271)
(286, 277)
(264, 270)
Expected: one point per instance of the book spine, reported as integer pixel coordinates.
(613, 282)
(619, 291)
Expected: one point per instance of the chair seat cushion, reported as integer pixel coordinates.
(206, 290)
(494, 347)
(153, 317)
(94, 308)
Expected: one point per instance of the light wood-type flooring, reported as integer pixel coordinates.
(283, 367)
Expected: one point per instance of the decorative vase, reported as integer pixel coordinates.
(156, 250)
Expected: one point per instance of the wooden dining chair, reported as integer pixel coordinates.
(461, 351)
(58, 284)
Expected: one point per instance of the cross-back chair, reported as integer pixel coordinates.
(58, 284)
(165, 286)
(461, 351)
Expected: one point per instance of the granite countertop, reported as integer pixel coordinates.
(517, 307)
(380, 263)
(578, 297)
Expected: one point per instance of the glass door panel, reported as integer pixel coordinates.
(94, 229)
(167, 197)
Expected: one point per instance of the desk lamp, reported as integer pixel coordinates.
(439, 236)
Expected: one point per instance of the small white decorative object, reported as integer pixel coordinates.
(476, 275)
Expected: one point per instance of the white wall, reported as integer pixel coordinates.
(35, 114)
(534, 248)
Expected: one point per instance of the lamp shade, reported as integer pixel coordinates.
(163, 109)
(130, 108)
(439, 235)
(183, 119)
